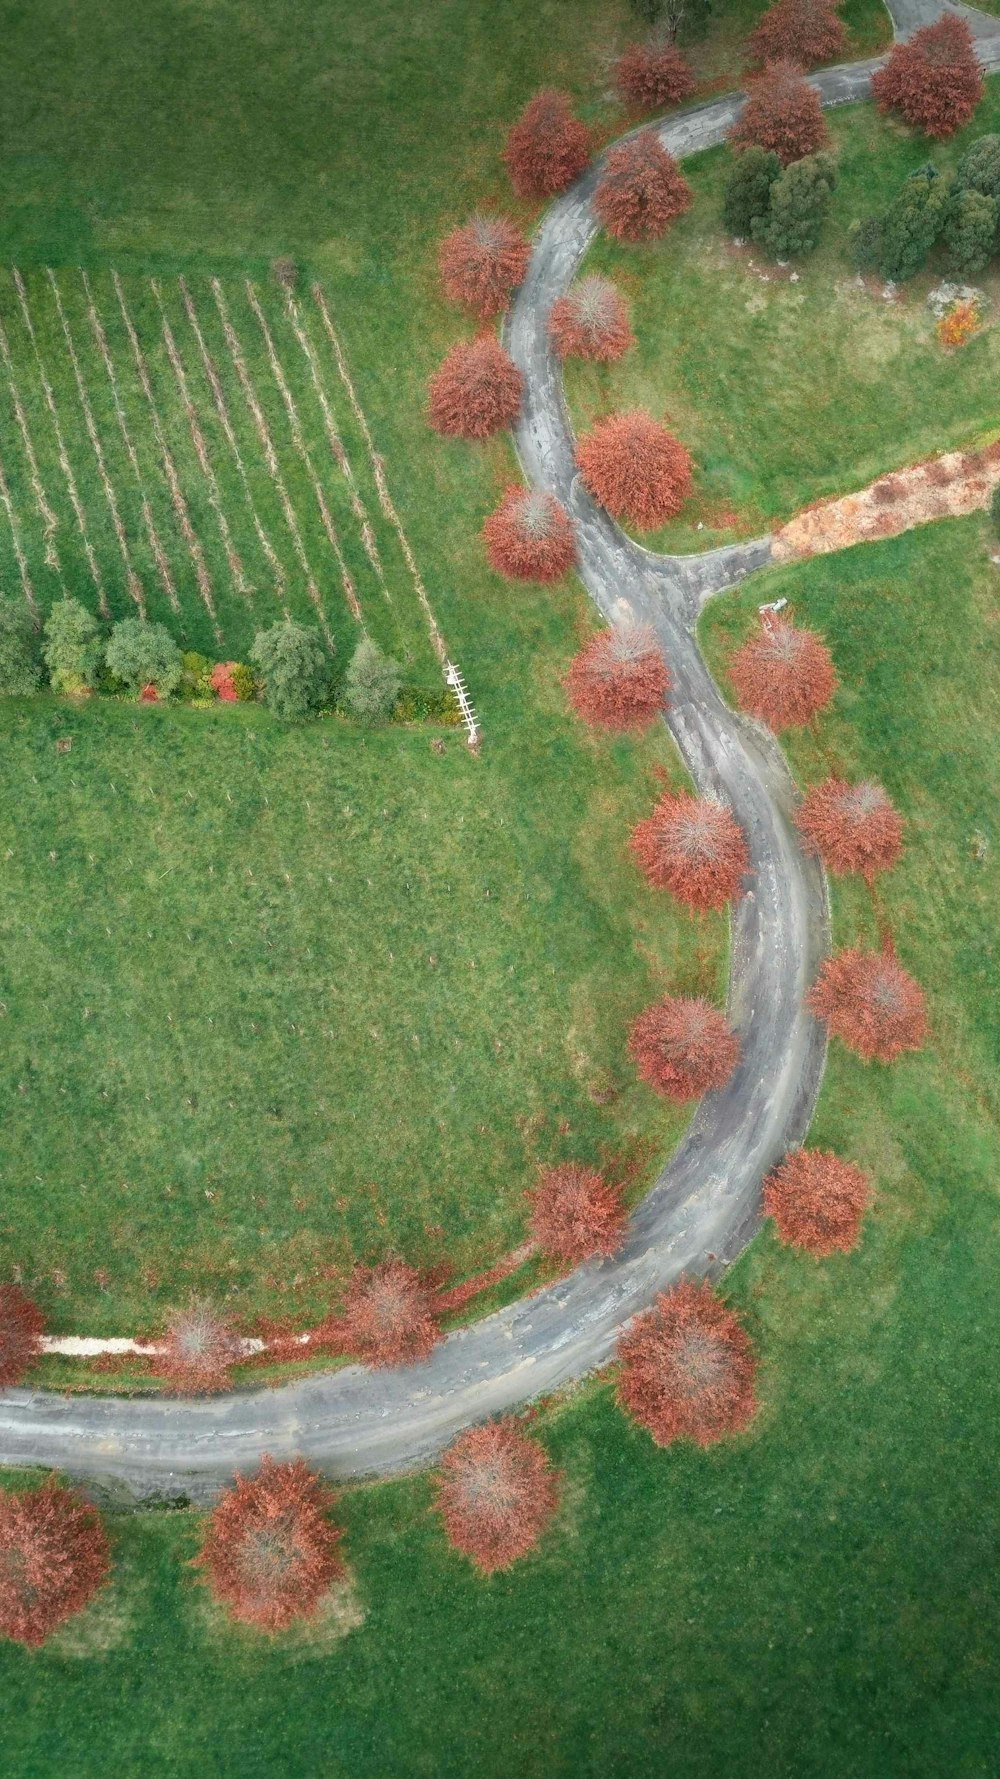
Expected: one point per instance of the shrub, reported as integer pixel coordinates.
(371, 684)
(575, 1214)
(496, 1493)
(979, 168)
(196, 676)
(911, 225)
(19, 669)
(641, 189)
(232, 682)
(388, 1315)
(285, 272)
(687, 1368)
(270, 1551)
(54, 1555)
(799, 200)
(140, 654)
(635, 468)
(651, 75)
(817, 1201)
(683, 1047)
(21, 1328)
(783, 675)
(802, 31)
(293, 666)
(199, 1350)
(933, 79)
(482, 262)
(530, 536)
(591, 321)
(476, 391)
(865, 243)
(970, 231)
(547, 147)
(619, 679)
(959, 325)
(782, 113)
(73, 648)
(694, 847)
(851, 827)
(748, 190)
(870, 1002)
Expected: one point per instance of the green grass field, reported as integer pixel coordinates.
(279, 998)
(815, 1597)
(785, 392)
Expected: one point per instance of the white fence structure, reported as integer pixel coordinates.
(454, 679)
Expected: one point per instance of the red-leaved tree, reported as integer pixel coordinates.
(619, 679)
(476, 390)
(388, 1316)
(817, 1201)
(482, 262)
(635, 468)
(801, 31)
(933, 79)
(693, 847)
(21, 1328)
(591, 321)
(651, 75)
(869, 1000)
(54, 1555)
(199, 1350)
(530, 536)
(575, 1214)
(853, 827)
(782, 112)
(687, 1368)
(641, 189)
(547, 147)
(683, 1047)
(783, 675)
(270, 1550)
(496, 1493)
(223, 683)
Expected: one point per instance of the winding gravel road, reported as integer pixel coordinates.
(704, 1206)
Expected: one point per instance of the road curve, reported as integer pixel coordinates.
(354, 1422)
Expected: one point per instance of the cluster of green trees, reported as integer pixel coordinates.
(781, 209)
(79, 655)
(961, 212)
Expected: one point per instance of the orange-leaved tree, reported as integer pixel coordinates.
(783, 675)
(694, 847)
(782, 113)
(54, 1555)
(271, 1551)
(817, 1201)
(801, 31)
(853, 827)
(21, 1328)
(635, 468)
(934, 79)
(575, 1214)
(870, 1002)
(687, 1368)
(530, 536)
(547, 147)
(591, 321)
(496, 1493)
(200, 1349)
(683, 1047)
(641, 189)
(651, 75)
(476, 390)
(388, 1316)
(619, 679)
(482, 263)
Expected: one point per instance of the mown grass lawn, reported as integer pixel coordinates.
(816, 1597)
(787, 391)
(278, 998)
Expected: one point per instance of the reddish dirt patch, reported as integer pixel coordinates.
(944, 487)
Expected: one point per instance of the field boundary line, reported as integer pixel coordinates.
(219, 401)
(134, 583)
(298, 440)
(15, 534)
(50, 523)
(336, 443)
(64, 462)
(236, 568)
(378, 470)
(155, 544)
(169, 467)
(270, 456)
